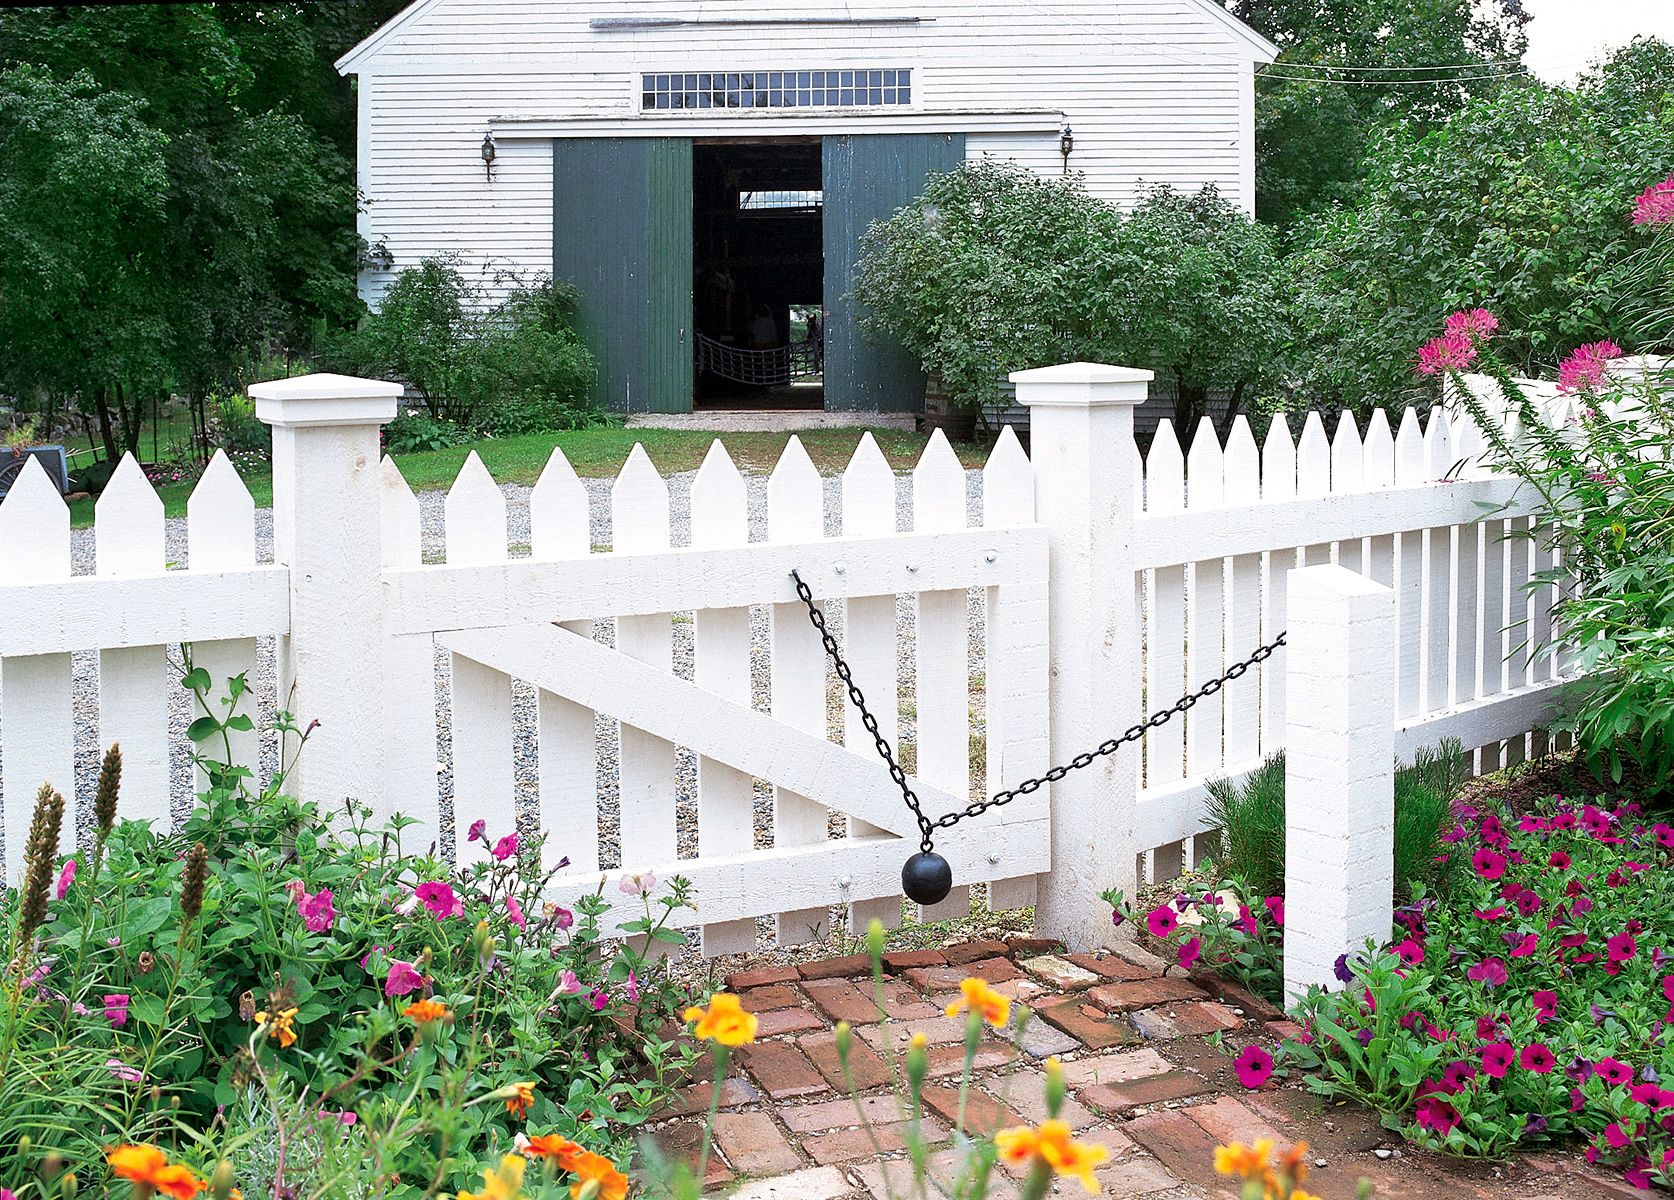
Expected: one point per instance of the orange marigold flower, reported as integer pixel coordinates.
(1246, 1162)
(983, 1000)
(150, 1166)
(519, 1096)
(725, 1021)
(505, 1182)
(280, 1026)
(555, 1146)
(596, 1169)
(1050, 1142)
(424, 1011)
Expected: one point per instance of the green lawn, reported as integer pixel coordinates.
(601, 453)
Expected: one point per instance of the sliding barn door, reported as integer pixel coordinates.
(622, 234)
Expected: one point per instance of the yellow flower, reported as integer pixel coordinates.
(1246, 1162)
(519, 1096)
(984, 1000)
(918, 1041)
(150, 1166)
(607, 1182)
(1050, 1142)
(423, 1011)
(725, 1021)
(279, 1026)
(505, 1182)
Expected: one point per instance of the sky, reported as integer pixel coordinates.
(1565, 36)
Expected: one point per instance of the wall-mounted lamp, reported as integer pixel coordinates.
(1066, 145)
(488, 155)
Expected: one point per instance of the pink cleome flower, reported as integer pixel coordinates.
(1449, 352)
(1655, 205)
(1475, 323)
(1586, 367)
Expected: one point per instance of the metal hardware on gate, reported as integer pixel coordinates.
(927, 877)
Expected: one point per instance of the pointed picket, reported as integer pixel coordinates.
(1313, 478)
(475, 516)
(796, 513)
(1378, 474)
(35, 703)
(1278, 482)
(1348, 474)
(1409, 573)
(869, 644)
(411, 765)
(134, 683)
(1242, 473)
(1017, 664)
(942, 648)
(560, 527)
(726, 797)
(640, 524)
(1205, 622)
(1165, 626)
(1438, 655)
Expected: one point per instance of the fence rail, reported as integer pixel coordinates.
(543, 681)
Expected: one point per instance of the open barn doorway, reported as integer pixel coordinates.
(758, 266)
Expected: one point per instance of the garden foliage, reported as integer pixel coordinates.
(307, 995)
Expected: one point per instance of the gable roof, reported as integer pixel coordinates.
(1261, 49)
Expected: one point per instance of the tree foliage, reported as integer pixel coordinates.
(1520, 202)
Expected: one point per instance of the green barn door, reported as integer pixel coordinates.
(622, 233)
(869, 177)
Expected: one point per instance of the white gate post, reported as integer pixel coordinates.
(326, 528)
(1339, 770)
(1087, 478)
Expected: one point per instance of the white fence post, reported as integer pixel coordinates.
(1339, 770)
(327, 530)
(1087, 478)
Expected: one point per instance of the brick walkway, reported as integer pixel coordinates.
(1137, 1048)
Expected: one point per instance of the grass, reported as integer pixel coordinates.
(600, 453)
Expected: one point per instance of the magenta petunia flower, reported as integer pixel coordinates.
(1435, 1114)
(1655, 205)
(631, 987)
(316, 910)
(1490, 914)
(599, 999)
(514, 913)
(66, 876)
(478, 831)
(1188, 953)
(1449, 352)
(505, 847)
(1490, 971)
(1523, 946)
(1275, 906)
(1497, 1058)
(1538, 1058)
(1587, 367)
(1254, 1066)
(1613, 1071)
(1161, 921)
(116, 1009)
(439, 898)
(403, 979)
(563, 918)
(1621, 948)
(1488, 863)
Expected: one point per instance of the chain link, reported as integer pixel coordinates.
(926, 825)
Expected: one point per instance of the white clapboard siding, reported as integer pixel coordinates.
(35, 713)
(721, 664)
(484, 784)
(869, 646)
(560, 530)
(411, 766)
(134, 684)
(639, 523)
(221, 535)
(796, 677)
(943, 649)
(1016, 667)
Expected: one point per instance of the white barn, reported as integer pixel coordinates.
(696, 167)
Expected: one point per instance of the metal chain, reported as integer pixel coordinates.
(926, 825)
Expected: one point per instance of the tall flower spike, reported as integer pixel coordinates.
(192, 881)
(104, 800)
(39, 853)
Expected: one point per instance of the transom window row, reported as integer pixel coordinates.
(776, 89)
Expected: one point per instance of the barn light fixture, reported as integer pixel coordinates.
(488, 155)
(1066, 145)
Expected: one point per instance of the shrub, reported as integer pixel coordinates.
(235, 428)
(1250, 820)
(1528, 1004)
(414, 430)
(287, 969)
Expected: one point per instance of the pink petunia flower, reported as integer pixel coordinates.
(316, 910)
(1275, 905)
(1488, 863)
(1161, 921)
(1621, 948)
(637, 883)
(1435, 1114)
(562, 918)
(1613, 1071)
(1497, 1058)
(1655, 205)
(1490, 971)
(505, 847)
(1538, 1058)
(1254, 1066)
(1586, 367)
(478, 831)
(1189, 952)
(439, 898)
(514, 913)
(403, 979)
(599, 999)
(567, 982)
(122, 1071)
(66, 876)
(632, 987)
(116, 1009)
(1411, 951)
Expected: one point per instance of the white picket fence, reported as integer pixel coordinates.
(1107, 588)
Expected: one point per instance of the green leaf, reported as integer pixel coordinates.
(203, 729)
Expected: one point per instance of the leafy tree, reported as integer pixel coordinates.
(1520, 202)
(1313, 133)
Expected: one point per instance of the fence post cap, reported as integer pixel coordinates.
(1337, 580)
(1082, 385)
(325, 399)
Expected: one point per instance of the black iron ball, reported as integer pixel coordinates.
(926, 877)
